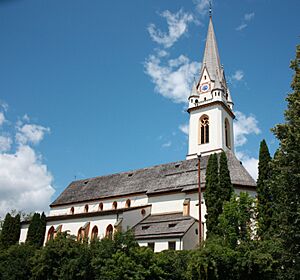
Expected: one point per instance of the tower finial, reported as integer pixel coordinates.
(210, 8)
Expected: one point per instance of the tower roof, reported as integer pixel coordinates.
(211, 59)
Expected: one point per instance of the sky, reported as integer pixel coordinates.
(89, 88)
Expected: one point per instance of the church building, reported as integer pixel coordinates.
(160, 204)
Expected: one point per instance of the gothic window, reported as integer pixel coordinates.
(127, 204)
(86, 208)
(109, 231)
(50, 235)
(80, 235)
(115, 205)
(100, 206)
(227, 134)
(72, 210)
(204, 130)
(94, 233)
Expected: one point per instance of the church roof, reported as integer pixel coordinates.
(163, 226)
(178, 176)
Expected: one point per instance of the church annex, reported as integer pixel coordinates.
(160, 203)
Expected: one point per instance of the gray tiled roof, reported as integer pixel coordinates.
(175, 176)
(163, 225)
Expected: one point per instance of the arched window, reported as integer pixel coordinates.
(100, 206)
(50, 234)
(143, 212)
(128, 203)
(72, 211)
(109, 231)
(94, 233)
(227, 134)
(80, 234)
(86, 208)
(115, 205)
(203, 130)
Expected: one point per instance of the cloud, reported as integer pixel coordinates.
(246, 19)
(238, 75)
(25, 181)
(177, 26)
(202, 6)
(2, 118)
(5, 143)
(31, 133)
(167, 144)
(244, 126)
(172, 79)
(250, 163)
(184, 128)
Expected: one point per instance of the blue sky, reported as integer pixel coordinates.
(95, 87)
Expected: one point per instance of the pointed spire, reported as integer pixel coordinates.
(211, 59)
(194, 91)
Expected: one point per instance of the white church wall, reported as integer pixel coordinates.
(167, 203)
(94, 205)
(23, 233)
(73, 225)
(190, 239)
(162, 244)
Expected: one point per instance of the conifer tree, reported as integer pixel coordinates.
(224, 179)
(211, 195)
(285, 181)
(10, 233)
(36, 230)
(264, 206)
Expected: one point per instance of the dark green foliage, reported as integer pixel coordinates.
(212, 195)
(10, 231)
(264, 197)
(15, 262)
(285, 181)
(226, 187)
(235, 221)
(36, 230)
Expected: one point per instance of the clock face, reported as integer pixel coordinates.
(204, 88)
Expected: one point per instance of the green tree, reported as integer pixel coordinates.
(36, 230)
(212, 195)
(285, 181)
(226, 187)
(11, 229)
(236, 221)
(264, 206)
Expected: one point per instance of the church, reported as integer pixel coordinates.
(163, 205)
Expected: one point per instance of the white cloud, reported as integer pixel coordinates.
(250, 163)
(5, 143)
(244, 126)
(2, 118)
(25, 181)
(184, 128)
(249, 16)
(173, 79)
(167, 144)
(238, 75)
(246, 19)
(177, 26)
(202, 6)
(31, 133)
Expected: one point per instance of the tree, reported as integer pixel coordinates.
(264, 197)
(285, 181)
(11, 229)
(36, 230)
(226, 187)
(211, 195)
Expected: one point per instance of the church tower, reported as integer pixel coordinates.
(210, 105)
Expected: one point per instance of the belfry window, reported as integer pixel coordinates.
(204, 130)
(227, 134)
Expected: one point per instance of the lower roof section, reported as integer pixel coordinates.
(163, 226)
